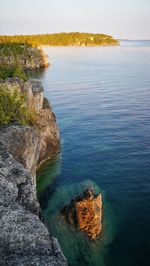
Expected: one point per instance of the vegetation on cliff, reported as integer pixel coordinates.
(62, 39)
(12, 71)
(15, 48)
(22, 54)
(13, 107)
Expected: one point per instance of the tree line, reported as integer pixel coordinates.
(62, 39)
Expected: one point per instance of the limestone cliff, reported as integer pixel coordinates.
(22, 55)
(24, 239)
(33, 144)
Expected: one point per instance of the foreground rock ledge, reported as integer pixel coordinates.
(24, 239)
(85, 212)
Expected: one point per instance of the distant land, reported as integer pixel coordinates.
(63, 39)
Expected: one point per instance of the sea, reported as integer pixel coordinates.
(101, 98)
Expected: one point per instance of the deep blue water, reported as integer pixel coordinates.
(101, 97)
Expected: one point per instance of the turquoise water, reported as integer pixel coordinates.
(101, 97)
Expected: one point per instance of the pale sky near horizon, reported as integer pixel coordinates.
(120, 18)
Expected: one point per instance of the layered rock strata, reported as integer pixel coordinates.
(24, 239)
(85, 212)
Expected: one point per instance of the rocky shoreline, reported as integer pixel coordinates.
(24, 239)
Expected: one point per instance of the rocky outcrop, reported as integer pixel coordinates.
(27, 57)
(24, 239)
(32, 145)
(85, 212)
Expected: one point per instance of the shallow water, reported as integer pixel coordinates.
(101, 100)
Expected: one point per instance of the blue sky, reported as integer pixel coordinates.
(120, 18)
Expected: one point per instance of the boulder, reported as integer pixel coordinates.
(85, 213)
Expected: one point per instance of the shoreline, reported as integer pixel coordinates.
(23, 236)
(81, 46)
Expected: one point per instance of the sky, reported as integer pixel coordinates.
(127, 19)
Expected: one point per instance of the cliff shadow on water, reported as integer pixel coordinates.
(53, 196)
(36, 73)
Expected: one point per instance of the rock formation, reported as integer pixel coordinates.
(28, 58)
(32, 145)
(85, 212)
(24, 239)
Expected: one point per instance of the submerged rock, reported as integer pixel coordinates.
(85, 212)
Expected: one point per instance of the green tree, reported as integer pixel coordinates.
(13, 107)
(12, 71)
(20, 73)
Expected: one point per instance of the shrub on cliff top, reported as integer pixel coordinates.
(9, 48)
(19, 73)
(13, 107)
(13, 71)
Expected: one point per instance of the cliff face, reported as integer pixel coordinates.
(35, 144)
(24, 239)
(28, 57)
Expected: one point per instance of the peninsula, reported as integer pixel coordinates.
(64, 39)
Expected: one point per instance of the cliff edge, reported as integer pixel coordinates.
(23, 55)
(24, 239)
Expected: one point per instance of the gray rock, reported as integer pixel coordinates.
(24, 239)
(33, 145)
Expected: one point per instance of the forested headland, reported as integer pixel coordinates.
(63, 39)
